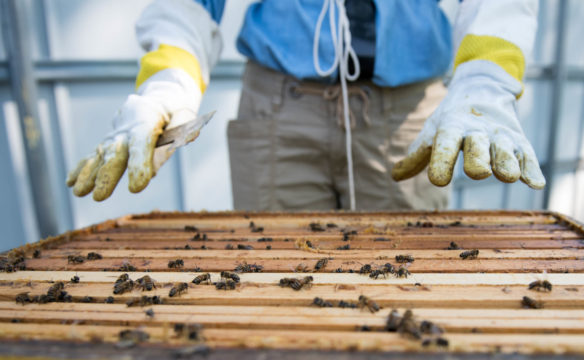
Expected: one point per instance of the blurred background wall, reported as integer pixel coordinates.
(84, 60)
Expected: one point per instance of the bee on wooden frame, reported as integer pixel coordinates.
(206, 277)
(469, 254)
(178, 289)
(365, 302)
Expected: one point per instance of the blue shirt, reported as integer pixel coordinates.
(413, 38)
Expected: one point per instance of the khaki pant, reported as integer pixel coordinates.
(287, 147)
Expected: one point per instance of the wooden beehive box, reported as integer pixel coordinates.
(477, 302)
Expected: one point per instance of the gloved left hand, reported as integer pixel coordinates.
(479, 117)
(479, 114)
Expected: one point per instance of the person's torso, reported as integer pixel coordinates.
(410, 39)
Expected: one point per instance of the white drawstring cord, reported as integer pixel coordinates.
(343, 49)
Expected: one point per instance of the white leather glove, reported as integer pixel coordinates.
(479, 116)
(183, 43)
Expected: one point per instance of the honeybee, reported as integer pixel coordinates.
(87, 299)
(226, 285)
(127, 267)
(307, 281)
(178, 289)
(316, 227)
(109, 300)
(228, 275)
(124, 286)
(295, 283)
(408, 326)
(175, 264)
(402, 271)
(285, 281)
(229, 247)
(453, 246)
(344, 247)
(404, 258)
(301, 268)
(73, 259)
(347, 234)
(191, 228)
(122, 278)
(244, 247)
(149, 313)
(54, 291)
(364, 301)
(75, 279)
(393, 321)
(388, 268)
(540, 285)
(384, 270)
(254, 228)
(376, 273)
(94, 256)
(530, 303)
(365, 269)
(321, 303)
(469, 254)
(206, 277)
(146, 283)
(321, 264)
(36, 254)
(244, 267)
(23, 298)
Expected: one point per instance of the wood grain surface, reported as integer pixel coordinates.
(477, 302)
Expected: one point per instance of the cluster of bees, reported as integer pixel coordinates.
(123, 284)
(363, 302)
(228, 280)
(407, 326)
(297, 283)
(255, 229)
(13, 262)
(385, 269)
(55, 293)
(244, 267)
(537, 285)
(78, 259)
(143, 301)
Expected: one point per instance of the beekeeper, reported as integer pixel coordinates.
(335, 95)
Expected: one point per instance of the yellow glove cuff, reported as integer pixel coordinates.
(495, 49)
(167, 57)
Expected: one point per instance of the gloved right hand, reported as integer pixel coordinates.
(169, 91)
(183, 43)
